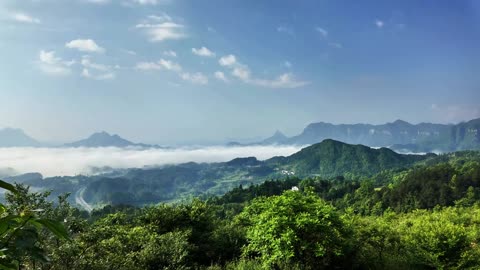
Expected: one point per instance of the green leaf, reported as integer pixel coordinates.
(7, 222)
(8, 187)
(55, 227)
(7, 266)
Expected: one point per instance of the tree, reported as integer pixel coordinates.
(294, 228)
(20, 227)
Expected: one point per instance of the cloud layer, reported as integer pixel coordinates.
(72, 161)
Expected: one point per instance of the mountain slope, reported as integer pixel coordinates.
(11, 137)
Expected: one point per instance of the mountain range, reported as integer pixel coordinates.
(10, 137)
(399, 135)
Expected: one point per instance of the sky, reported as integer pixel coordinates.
(198, 71)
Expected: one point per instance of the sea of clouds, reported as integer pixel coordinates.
(73, 161)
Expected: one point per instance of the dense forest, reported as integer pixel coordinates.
(426, 216)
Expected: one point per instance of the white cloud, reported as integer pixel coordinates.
(161, 64)
(163, 31)
(84, 45)
(220, 76)
(162, 27)
(96, 71)
(243, 73)
(24, 18)
(196, 78)
(286, 80)
(86, 73)
(104, 76)
(170, 53)
(169, 65)
(322, 31)
(286, 30)
(203, 51)
(146, 66)
(48, 57)
(52, 65)
(379, 23)
(227, 60)
(164, 17)
(83, 160)
(287, 64)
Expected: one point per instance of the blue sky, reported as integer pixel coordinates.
(177, 71)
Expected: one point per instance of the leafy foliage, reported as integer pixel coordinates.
(21, 229)
(294, 228)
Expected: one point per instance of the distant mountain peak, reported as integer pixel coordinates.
(15, 137)
(277, 138)
(104, 134)
(400, 122)
(278, 133)
(102, 139)
(100, 133)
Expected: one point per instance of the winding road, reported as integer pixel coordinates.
(80, 201)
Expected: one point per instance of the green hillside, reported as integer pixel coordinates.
(333, 158)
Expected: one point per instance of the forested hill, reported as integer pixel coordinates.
(170, 183)
(333, 158)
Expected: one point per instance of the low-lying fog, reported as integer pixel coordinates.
(72, 161)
